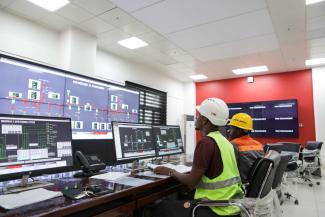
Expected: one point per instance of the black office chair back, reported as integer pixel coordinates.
(290, 146)
(284, 160)
(312, 145)
(273, 146)
(262, 174)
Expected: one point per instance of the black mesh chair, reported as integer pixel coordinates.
(311, 161)
(273, 146)
(258, 191)
(279, 176)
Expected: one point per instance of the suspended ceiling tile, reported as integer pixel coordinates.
(5, 3)
(170, 15)
(150, 37)
(176, 52)
(56, 22)
(112, 37)
(119, 50)
(273, 59)
(294, 56)
(315, 10)
(211, 67)
(165, 59)
(163, 45)
(251, 60)
(317, 33)
(235, 28)
(27, 9)
(95, 26)
(95, 7)
(283, 18)
(117, 17)
(133, 5)
(316, 23)
(135, 28)
(74, 13)
(184, 58)
(242, 47)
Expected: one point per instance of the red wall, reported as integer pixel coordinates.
(289, 85)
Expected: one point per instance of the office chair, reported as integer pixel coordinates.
(273, 146)
(311, 161)
(258, 200)
(292, 170)
(279, 176)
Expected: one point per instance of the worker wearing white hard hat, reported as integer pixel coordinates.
(214, 173)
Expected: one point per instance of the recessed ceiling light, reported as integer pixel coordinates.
(132, 43)
(250, 70)
(50, 5)
(313, 62)
(198, 77)
(309, 2)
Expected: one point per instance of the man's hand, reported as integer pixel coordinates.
(162, 170)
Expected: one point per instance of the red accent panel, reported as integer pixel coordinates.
(288, 85)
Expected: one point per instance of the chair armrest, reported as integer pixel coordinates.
(194, 204)
(310, 152)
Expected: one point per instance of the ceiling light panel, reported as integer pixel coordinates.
(313, 62)
(50, 5)
(132, 43)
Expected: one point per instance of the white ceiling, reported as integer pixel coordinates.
(188, 37)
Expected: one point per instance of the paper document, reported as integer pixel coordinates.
(111, 176)
(12, 201)
(131, 181)
(178, 168)
(152, 174)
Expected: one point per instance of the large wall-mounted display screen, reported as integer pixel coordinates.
(32, 89)
(277, 118)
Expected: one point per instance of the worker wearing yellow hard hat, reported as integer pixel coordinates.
(248, 149)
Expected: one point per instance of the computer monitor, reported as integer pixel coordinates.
(31, 145)
(133, 141)
(168, 140)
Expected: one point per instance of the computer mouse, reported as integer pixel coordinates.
(94, 188)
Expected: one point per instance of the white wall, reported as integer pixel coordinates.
(28, 40)
(318, 75)
(69, 50)
(118, 69)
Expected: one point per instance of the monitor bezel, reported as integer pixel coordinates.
(122, 161)
(157, 149)
(40, 172)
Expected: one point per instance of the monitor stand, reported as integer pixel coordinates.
(25, 185)
(172, 159)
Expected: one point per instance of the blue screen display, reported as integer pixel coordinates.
(277, 118)
(30, 89)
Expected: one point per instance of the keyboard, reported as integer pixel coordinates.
(179, 168)
(13, 201)
(110, 176)
(30, 186)
(151, 174)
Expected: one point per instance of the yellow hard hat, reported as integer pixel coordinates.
(242, 121)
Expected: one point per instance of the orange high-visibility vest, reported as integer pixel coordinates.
(247, 143)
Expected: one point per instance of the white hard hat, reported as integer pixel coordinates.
(215, 110)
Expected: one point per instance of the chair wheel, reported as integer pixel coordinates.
(296, 202)
(310, 185)
(318, 183)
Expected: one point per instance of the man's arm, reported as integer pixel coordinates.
(190, 180)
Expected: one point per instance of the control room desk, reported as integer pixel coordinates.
(124, 201)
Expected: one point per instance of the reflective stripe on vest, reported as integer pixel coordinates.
(220, 184)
